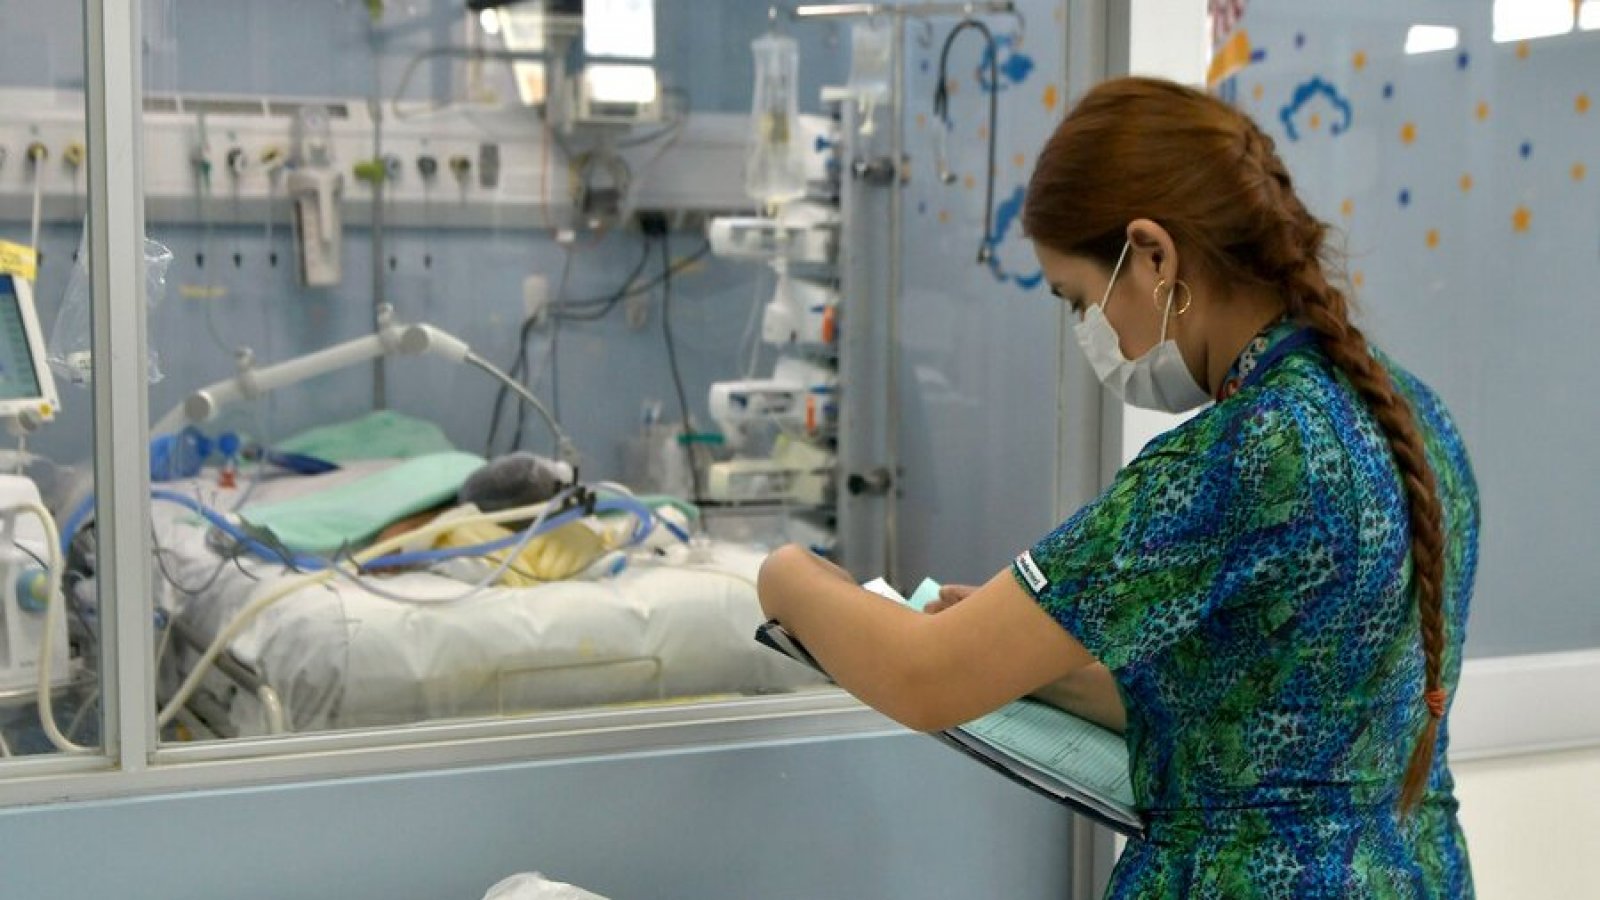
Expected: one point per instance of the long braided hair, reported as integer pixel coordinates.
(1140, 147)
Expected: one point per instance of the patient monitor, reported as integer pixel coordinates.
(27, 400)
(27, 390)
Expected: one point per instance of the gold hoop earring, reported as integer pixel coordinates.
(1188, 295)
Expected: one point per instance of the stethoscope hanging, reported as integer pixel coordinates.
(941, 110)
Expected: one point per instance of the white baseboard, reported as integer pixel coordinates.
(1512, 705)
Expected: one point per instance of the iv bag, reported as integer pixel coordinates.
(775, 166)
(871, 59)
(68, 348)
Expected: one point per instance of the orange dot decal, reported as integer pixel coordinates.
(969, 182)
(1347, 208)
(983, 132)
(951, 86)
(1359, 279)
(1483, 110)
(1466, 184)
(1020, 161)
(1433, 238)
(1521, 220)
(1258, 92)
(1581, 104)
(1408, 133)
(1523, 49)
(1579, 171)
(1052, 96)
(1359, 60)
(1315, 122)
(922, 120)
(944, 217)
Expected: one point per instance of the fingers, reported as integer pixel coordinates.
(949, 596)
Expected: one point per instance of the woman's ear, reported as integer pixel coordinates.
(1155, 242)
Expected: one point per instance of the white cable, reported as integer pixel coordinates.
(568, 450)
(38, 204)
(5, 748)
(54, 602)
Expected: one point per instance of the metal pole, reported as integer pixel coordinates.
(897, 153)
(121, 423)
(913, 10)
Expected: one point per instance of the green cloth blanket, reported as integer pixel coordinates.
(353, 513)
(380, 435)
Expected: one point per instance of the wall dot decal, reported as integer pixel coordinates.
(1521, 219)
(1523, 49)
(1405, 197)
(1359, 278)
(969, 182)
(1299, 40)
(1482, 111)
(1526, 150)
(1347, 208)
(1579, 171)
(1020, 161)
(1466, 184)
(922, 207)
(1463, 59)
(922, 120)
(1359, 60)
(952, 87)
(1257, 93)
(944, 217)
(1051, 96)
(1388, 91)
(983, 132)
(1581, 104)
(922, 66)
(1433, 238)
(1315, 121)
(1408, 133)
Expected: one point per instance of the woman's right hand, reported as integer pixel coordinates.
(949, 596)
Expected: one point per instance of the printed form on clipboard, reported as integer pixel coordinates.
(1067, 759)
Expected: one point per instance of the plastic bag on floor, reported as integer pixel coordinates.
(534, 886)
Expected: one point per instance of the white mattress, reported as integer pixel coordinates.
(339, 656)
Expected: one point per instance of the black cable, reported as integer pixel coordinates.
(672, 361)
(941, 109)
(520, 364)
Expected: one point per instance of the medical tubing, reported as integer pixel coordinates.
(54, 603)
(540, 525)
(568, 448)
(291, 585)
(941, 108)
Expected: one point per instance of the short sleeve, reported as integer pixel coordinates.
(1224, 513)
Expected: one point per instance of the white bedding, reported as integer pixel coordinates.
(340, 656)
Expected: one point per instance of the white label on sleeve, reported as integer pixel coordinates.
(1030, 571)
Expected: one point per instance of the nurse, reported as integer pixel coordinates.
(1272, 598)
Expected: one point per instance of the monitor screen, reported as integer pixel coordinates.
(19, 377)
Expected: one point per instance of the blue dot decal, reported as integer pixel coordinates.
(1526, 150)
(1405, 197)
(1463, 59)
(923, 65)
(1388, 91)
(1299, 40)
(922, 208)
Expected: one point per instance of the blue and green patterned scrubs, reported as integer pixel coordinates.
(1247, 580)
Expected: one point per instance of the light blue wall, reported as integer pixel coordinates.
(880, 818)
(1495, 310)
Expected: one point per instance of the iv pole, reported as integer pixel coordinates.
(900, 14)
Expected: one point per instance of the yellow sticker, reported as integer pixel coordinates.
(15, 259)
(202, 291)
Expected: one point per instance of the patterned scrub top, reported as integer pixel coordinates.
(1247, 580)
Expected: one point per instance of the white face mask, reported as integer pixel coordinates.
(1158, 380)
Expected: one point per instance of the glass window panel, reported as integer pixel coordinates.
(50, 632)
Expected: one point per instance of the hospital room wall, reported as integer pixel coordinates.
(881, 817)
(474, 286)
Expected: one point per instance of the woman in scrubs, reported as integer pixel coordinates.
(1271, 599)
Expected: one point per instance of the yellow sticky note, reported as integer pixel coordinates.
(15, 259)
